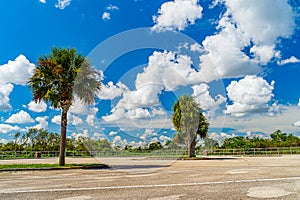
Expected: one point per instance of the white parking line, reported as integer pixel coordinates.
(148, 186)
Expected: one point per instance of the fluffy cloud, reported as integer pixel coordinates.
(263, 53)
(112, 133)
(292, 59)
(297, 123)
(21, 117)
(78, 107)
(197, 48)
(84, 134)
(90, 119)
(164, 139)
(106, 16)
(249, 95)
(148, 134)
(111, 91)
(37, 107)
(3, 141)
(74, 120)
(17, 71)
(61, 4)
(56, 119)
(272, 19)
(118, 141)
(299, 103)
(5, 91)
(177, 14)
(99, 136)
(5, 128)
(225, 57)
(42, 1)
(204, 99)
(262, 123)
(43, 124)
(165, 71)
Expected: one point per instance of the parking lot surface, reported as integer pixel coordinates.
(157, 179)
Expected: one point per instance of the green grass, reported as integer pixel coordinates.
(52, 166)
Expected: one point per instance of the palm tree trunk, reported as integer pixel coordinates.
(193, 147)
(189, 142)
(63, 136)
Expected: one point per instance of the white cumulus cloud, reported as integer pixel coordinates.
(85, 134)
(297, 123)
(292, 59)
(56, 119)
(112, 133)
(74, 120)
(43, 1)
(43, 124)
(166, 71)
(37, 107)
(111, 91)
(5, 91)
(249, 95)
(3, 141)
(177, 15)
(78, 107)
(17, 71)
(204, 99)
(21, 117)
(6, 128)
(90, 119)
(225, 57)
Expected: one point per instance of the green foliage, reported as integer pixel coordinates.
(155, 146)
(187, 117)
(96, 145)
(277, 139)
(189, 122)
(57, 77)
(210, 143)
(42, 140)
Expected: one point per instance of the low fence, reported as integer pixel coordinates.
(256, 151)
(157, 153)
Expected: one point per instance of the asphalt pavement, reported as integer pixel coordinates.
(157, 179)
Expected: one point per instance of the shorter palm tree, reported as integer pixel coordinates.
(189, 122)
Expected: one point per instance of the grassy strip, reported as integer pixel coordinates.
(52, 166)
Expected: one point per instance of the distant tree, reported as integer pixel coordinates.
(57, 78)
(189, 121)
(97, 145)
(155, 146)
(210, 143)
(17, 137)
(128, 147)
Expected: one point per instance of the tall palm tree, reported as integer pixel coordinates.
(189, 122)
(57, 78)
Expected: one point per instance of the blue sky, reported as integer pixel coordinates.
(239, 59)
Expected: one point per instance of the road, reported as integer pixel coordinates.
(144, 178)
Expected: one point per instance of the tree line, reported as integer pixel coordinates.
(43, 140)
(277, 139)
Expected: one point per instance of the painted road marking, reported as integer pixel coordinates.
(149, 186)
